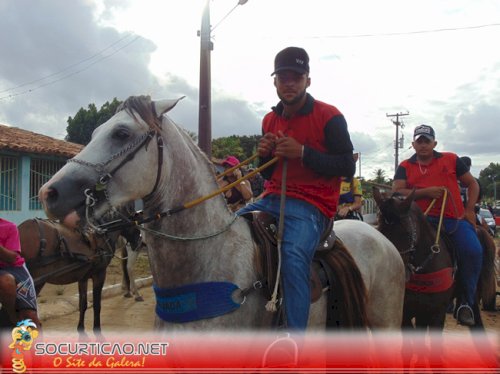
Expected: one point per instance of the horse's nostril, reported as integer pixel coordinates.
(52, 194)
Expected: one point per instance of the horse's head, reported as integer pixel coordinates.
(397, 220)
(392, 207)
(97, 179)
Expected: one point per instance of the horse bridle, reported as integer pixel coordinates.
(104, 176)
(63, 248)
(435, 249)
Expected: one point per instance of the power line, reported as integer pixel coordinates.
(408, 32)
(68, 68)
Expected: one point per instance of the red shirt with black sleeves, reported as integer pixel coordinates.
(322, 129)
(444, 170)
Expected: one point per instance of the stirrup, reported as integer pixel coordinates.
(282, 347)
(466, 321)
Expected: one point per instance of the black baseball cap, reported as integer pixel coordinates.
(424, 130)
(292, 58)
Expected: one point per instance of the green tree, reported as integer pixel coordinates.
(80, 128)
(240, 146)
(489, 178)
(249, 144)
(380, 177)
(222, 147)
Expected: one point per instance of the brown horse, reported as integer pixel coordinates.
(57, 255)
(430, 268)
(429, 271)
(487, 286)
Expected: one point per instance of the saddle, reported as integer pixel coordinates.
(264, 231)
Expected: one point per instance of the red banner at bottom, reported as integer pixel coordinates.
(251, 353)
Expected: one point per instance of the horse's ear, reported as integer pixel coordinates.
(377, 195)
(408, 200)
(411, 196)
(163, 106)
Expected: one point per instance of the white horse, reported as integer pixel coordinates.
(200, 256)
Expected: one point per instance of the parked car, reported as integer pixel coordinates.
(496, 215)
(490, 220)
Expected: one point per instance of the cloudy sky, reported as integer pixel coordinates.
(437, 60)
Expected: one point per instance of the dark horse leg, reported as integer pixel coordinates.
(98, 279)
(408, 344)
(82, 304)
(435, 322)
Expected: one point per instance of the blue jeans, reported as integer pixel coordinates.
(304, 223)
(469, 253)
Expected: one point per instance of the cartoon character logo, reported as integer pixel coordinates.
(23, 336)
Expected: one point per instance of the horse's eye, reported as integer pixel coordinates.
(121, 134)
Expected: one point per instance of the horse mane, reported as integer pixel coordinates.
(144, 107)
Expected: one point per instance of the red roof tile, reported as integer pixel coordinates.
(19, 140)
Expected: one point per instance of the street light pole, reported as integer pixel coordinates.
(205, 100)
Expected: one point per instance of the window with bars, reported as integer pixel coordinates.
(41, 171)
(9, 183)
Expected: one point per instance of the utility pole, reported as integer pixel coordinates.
(398, 142)
(205, 100)
(357, 157)
(359, 164)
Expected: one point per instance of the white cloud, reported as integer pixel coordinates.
(449, 79)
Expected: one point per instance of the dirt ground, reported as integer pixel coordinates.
(59, 306)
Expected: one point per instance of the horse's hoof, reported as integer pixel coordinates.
(128, 294)
(139, 298)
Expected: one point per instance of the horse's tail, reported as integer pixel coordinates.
(348, 307)
(487, 282)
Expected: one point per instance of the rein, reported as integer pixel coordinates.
(271, 304)
(233, 168)
(441, 215)
(435, 248)
(118, 225)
